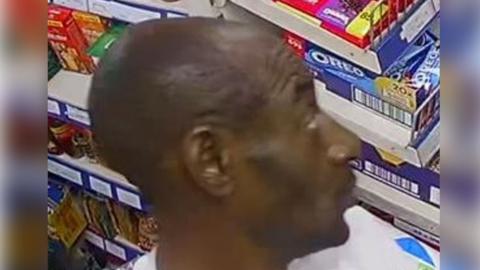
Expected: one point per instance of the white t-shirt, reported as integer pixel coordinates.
(373, 245)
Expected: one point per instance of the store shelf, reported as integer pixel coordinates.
(96, 178)
(68, 95)
(128, 11)
(377, 58)
(118, 247)
(378, 130)
(398, 204)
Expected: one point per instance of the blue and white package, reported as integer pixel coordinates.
(418, 69)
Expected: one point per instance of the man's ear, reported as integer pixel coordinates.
(207, 160)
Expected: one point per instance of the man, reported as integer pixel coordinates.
(217, 124)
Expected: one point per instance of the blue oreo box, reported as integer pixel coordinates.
(420, 183)
(400, 93)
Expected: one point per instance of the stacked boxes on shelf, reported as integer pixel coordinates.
(67, 41)
(394, 104)
(102, 218)
(357, 21)
(406, 96)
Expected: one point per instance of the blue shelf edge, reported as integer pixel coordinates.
(67, 173)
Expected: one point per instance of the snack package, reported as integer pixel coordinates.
(67, 40)
(53, 63)
(339, 13)
(101, 46)
(125, 221)
(99, 219)
(356, 21)
(147, 232)
(91, 25)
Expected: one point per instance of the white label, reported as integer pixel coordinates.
(418, 21)
(53, 107)
(75, 4)
(132, 14)
(116, 250)
(414, 188)
(94, 239)
(175, 15)
(435, 195)
(101, 186)
(100, 7)
(436, 3)
(65, 172)
(129, 198)
(78, 115)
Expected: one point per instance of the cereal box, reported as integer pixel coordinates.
(91, 25)
(67, 40)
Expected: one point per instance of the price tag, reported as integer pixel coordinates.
(129, 198)
(116, 250)
(75, 4)
(176, 15)
(418, 21)
(132, 14)
(414, 188)
(65, 172)
(100, 7)
(100, 186)
(78, 115)
(397, 93)
(94, 239)
(436, 4)
(54, 107)
(435, 195)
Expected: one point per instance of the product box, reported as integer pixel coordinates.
(420, 183)
(356, 21)
(67, 40)
(91, 25)
(101, 46)
(408, 93)
(53, 63)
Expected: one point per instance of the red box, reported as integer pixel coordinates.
(67, 40)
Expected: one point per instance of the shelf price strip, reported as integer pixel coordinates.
(68, 113)
(69, 173)
(117, 249)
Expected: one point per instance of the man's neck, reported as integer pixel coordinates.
(211, 246)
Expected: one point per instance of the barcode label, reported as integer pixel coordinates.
(94, 239)
(436, 4)
(435, 195)
(129, 198)
(65, 172)
(383, 107)
(101, 186)
(391, 178)
(418, 21)
(53, 107)
(116, 250)
(78, 115)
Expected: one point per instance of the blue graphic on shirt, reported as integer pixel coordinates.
(413, 247)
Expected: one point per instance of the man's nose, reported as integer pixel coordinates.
(342, 145)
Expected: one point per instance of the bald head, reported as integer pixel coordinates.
(162, 78)
(216, 122)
